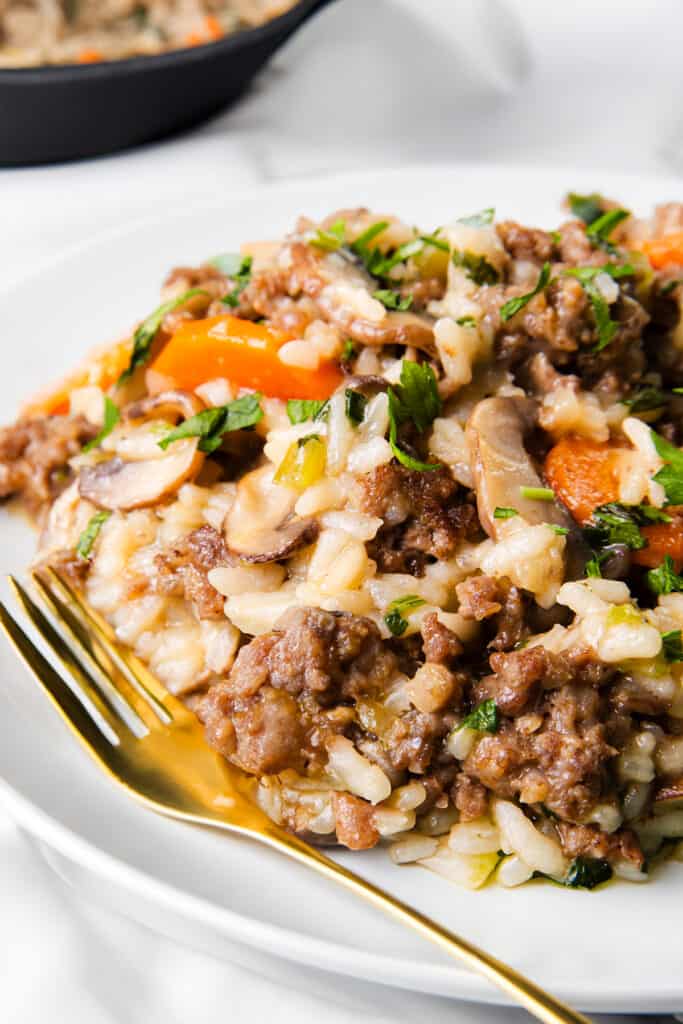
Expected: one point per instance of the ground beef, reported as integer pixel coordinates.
(426, 515)
(590, 841)
(495, 598)
(558, 755)
(440, 644)
(470, 798)
(518, 676)
(286, 691)
(525, 243)
(413, 739)
(355, 821)
(34, 456)
(183, 569)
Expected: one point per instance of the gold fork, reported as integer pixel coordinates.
(152, 745)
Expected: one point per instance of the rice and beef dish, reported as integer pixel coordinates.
(34, 32)
(400, 516)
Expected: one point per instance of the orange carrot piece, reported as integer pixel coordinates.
(90, 56)
(583, 474)
(664, 251)
(244, 353)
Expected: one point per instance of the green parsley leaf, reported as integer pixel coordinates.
(513, 306)
(466, 321)
(607, 327)
(147, 331)
(672, 645)
(330, 239)
(438, 243)
(348, 351)
(619, 524)
(87, 539)
(301, 409)
(393, 300)
(479, 220)
(394, 618)
(671, 475)
(241, 278)
(369, 235)
(504, 512)
(355, 404)
(416, 398)
(476, 267)
(587, 873)
(586, 208)
(211, 424)
(538, 493)
(601, 228)
(561, 531)
(593, 570)
(111, 418)
(484, 718)
(645, 400)
(664, 579)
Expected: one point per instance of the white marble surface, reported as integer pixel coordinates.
(370, 83)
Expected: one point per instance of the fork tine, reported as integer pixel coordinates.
(84, 718)
(116, 681)
(165, 705)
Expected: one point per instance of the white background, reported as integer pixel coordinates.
(369, 84)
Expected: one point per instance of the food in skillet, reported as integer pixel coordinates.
(34, 32)
(400, 515)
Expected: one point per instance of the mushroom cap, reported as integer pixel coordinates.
(261, 525)
(118, 485)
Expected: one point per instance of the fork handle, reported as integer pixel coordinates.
(523, 991)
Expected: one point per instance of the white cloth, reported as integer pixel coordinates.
(369, 83)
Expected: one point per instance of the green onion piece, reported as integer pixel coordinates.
(537, 493)
(110, 419)
(513, 306)
(504, 512)
(87, 539)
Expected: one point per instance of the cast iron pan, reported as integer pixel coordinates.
(65, 113)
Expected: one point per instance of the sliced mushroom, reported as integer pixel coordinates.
(316, 274)
(369, 384)
(126, 485)
(261, 525)
(501, 467)
(168, 404)
(143, 481)
(68, 517)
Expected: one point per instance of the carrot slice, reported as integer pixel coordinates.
(244, 353)
(583, 474)
(90, 56)
(662, 539)
(664, 251)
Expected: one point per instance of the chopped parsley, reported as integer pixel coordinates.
(484, 718)
(479, 220)
(87, 539)
(395, 621)
(210, 424)
(672, 645)
(438, 243)
(600, 229)
(415, 399)
(513, 306)
(466, 321)
(110, 419)
(476, 267)
(301, 409)
(330, 239)
(586, 208)
(607, 327)
(593, 565)
(504, 512)
(355, 404)
(348, 351)
(375, 262)
(587, 873)
(620, 524)
(669, 476)
(645, 400)
(147, 331)
(561, 531)
(537, 493)
(241, 278)
(393, 300)
(664, 579)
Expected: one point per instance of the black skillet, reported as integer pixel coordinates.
(68, 112)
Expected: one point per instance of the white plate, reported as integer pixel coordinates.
(615, 949)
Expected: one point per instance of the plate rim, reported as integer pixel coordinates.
(290, 944)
